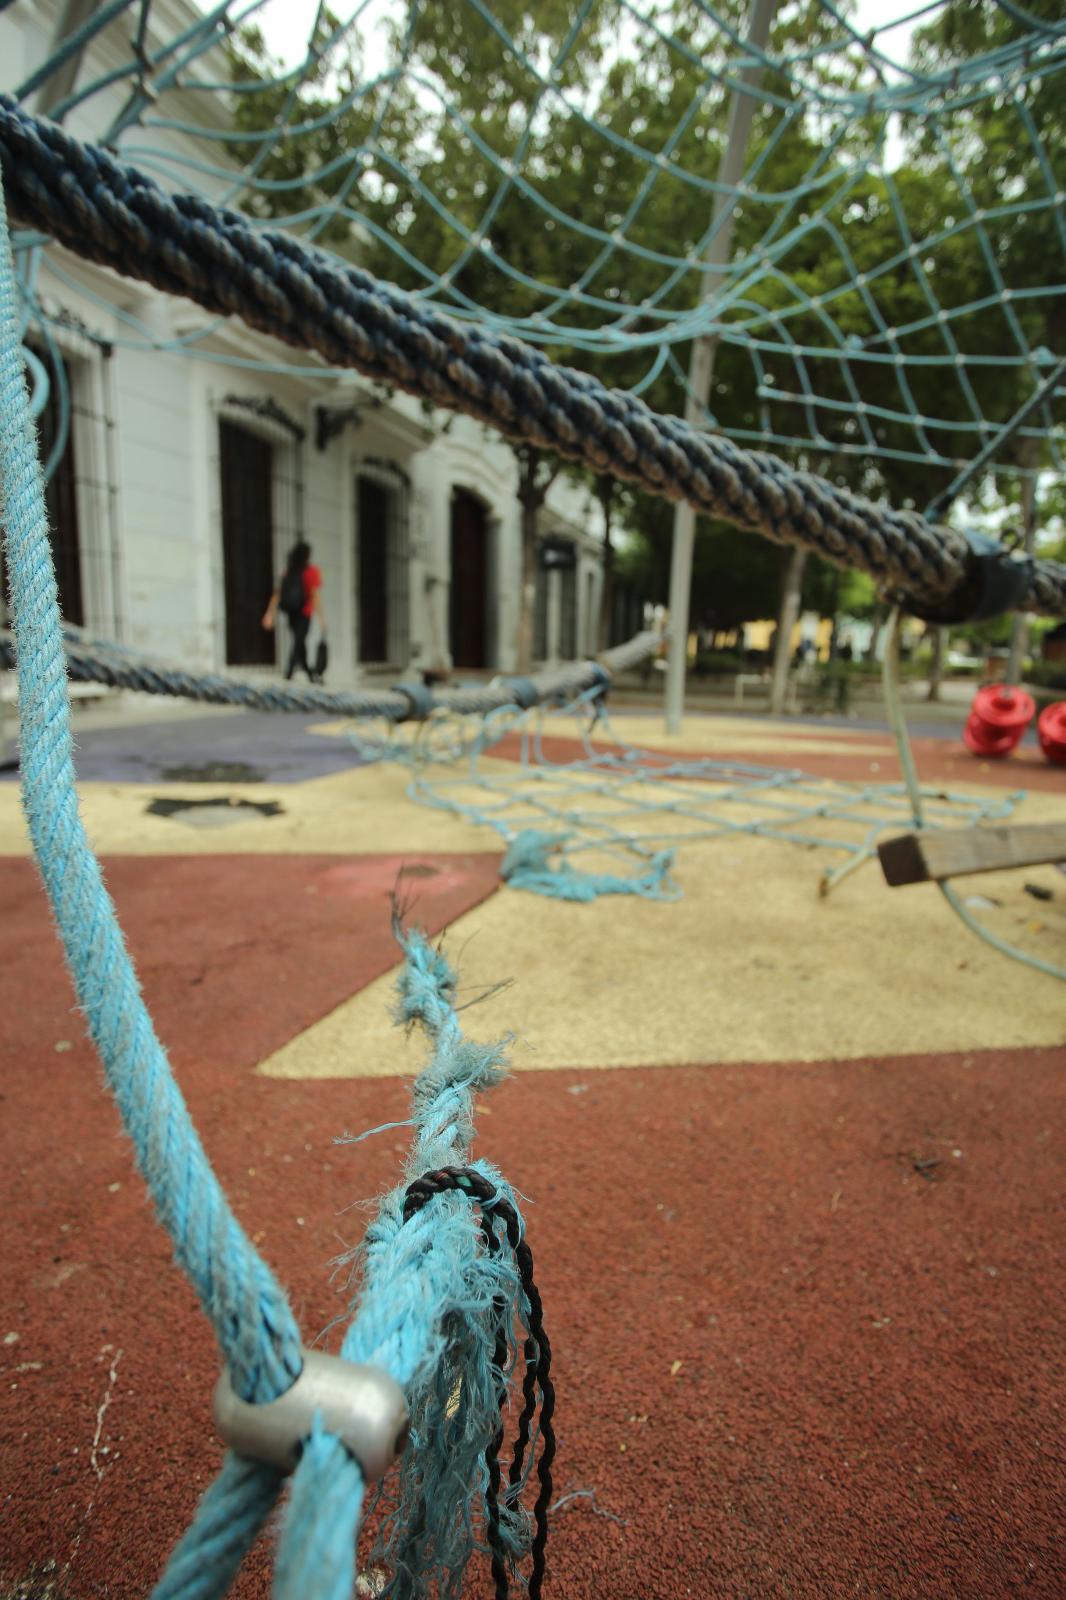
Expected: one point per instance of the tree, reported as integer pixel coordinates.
(1003, 145)
(513, 246)
(791, 591)
(536, 476)
(736, 578)
(544, 206)
(607, 495)
(1000, 145)
(304, 130)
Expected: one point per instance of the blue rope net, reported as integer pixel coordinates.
(583, 813)
(889, 317)
(893, 295)
(437, 1309)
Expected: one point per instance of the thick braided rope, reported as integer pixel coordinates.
(416, 1276)
(247, 1308)
(318, 1543)
(99, 661)
(227, 1523)
(115, 215)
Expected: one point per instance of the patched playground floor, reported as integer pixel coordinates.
(794, 1170)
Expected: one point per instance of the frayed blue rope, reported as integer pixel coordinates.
(431, 1291)
(319, 1532)
(372, 1133)
(255, 1328)
(227, 1523)
(427, 1315)
(527, 865)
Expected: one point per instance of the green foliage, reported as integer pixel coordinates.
(1000, 148)
(832, 592)
(994, 634)
(736, 577)
(1046, 674)
(718, 663)
(325, 114)
(458, 149)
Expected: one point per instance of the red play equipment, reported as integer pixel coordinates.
(998, 718)
(1051, 731)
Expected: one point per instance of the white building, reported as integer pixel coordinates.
(190, 470)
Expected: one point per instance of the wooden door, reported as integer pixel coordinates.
(469, 582)
(568, 613)
(60, 495)
(246, 467)
(541, 597)
(372, 513)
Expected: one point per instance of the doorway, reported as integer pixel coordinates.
(372, 510)
(541, 599)
(568, 613)
(61, 490)
(246, 470)
(468, 607)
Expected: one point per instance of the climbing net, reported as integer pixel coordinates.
(584, 813)
(522, 214)
(888, 303)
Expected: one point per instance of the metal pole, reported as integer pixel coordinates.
(701, 365)
(786, 621)
(1019, 637)
(74, 14)
(1044, 392)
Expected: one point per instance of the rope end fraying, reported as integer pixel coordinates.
(449, 1307)
(527, 865)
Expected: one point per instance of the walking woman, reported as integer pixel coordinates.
(298, 597)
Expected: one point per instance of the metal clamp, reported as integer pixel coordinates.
(523, 691)
(997, 581)
(362, 1405)
(420, 700)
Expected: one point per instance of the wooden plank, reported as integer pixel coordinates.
(954, 852)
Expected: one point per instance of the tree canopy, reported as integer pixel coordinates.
(503, 178)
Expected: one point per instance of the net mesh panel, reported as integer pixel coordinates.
(610, 807)
(895, 289)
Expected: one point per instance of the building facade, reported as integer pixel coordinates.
(187, 454)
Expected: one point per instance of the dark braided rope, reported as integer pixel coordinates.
(537, 1378)
(115, 215)
(99, 661)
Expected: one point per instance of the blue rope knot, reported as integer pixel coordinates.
(527, 865)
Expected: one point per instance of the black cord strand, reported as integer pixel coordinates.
(537, 1354)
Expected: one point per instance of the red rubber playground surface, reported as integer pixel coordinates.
(807, 1317)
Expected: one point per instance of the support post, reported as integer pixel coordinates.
(936, 664)
(790, 606)
(701, 365)
(1019, 637)
(73, 15)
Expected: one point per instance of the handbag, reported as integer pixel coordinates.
(321, 658)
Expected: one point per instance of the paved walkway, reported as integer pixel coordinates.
(795, 1171)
